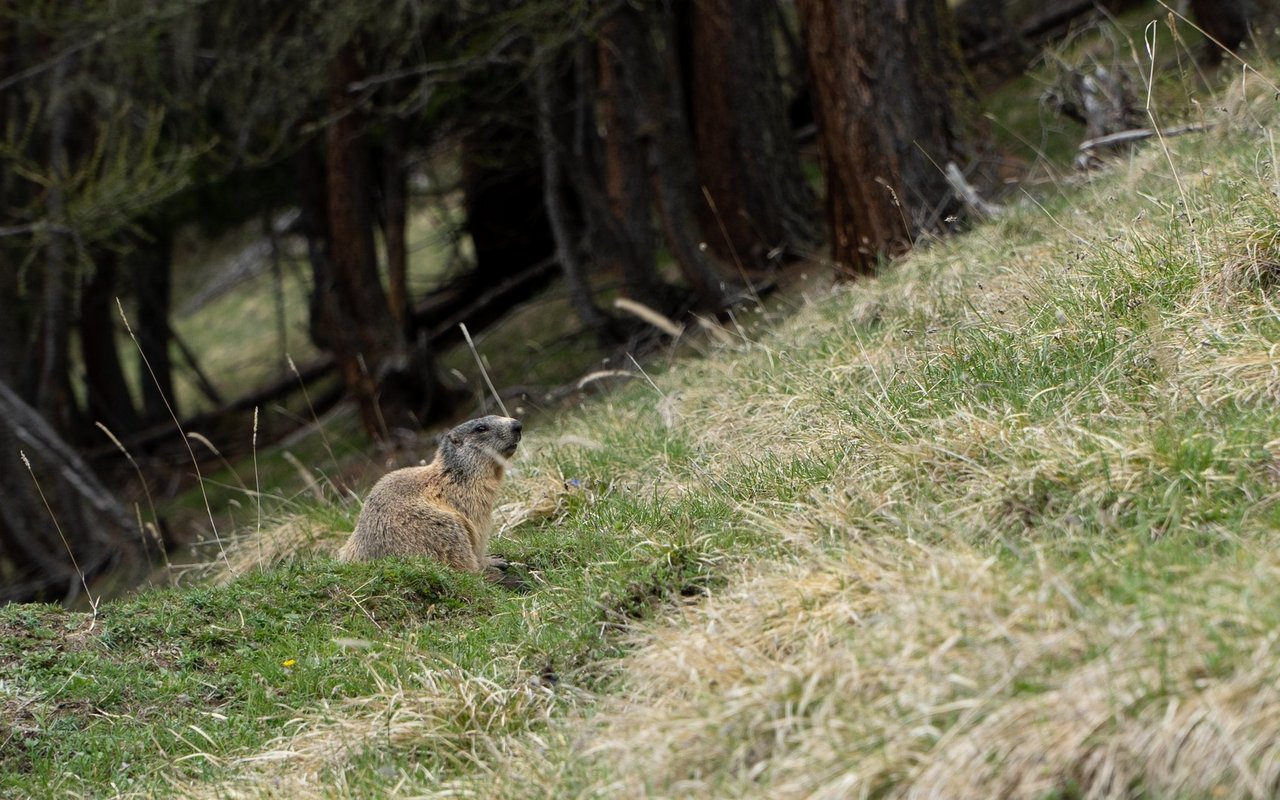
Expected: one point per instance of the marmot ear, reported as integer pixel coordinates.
(455, 439)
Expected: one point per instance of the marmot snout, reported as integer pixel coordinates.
(445, 509)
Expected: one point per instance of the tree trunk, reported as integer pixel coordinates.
(152, 263)
(757, 201)
(106, 390)
(566, 243)
(395, 200)
(354, 305)
(393, 384)
(628, 225)
(313, 223)
(13, 308)
(887, 121)
(52, 387)
(1226, 22)
(664, 129)
(502, 183)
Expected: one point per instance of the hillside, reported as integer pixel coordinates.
(1000, 522)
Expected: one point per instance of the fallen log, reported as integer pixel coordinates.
(1137, 135)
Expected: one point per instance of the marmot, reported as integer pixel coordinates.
(445, 509)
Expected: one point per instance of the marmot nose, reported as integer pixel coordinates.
(516, 427)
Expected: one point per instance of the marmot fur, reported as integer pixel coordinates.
(445, 509)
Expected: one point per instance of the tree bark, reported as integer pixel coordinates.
(393, 383)
(13, 307)
(665, 136)
(627, 228)
(1226, 22)
(13, 326)
(313, 223)
(18, 311)
(395, 209)
(502, 184)
(106, 390)
(757, 201)
(566, 243)
(152, 259)
(352, 300)
(52, 387)
(887, 121)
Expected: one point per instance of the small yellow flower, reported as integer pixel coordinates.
(290, 662)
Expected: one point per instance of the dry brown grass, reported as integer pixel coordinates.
(969, 605)
(907, 670)
(449, 717)
(280, 541)
(894, 654)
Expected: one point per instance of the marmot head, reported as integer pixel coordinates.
(482, 441)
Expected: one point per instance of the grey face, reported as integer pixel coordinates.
(494, 434)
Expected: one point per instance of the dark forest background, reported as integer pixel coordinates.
(675, 154)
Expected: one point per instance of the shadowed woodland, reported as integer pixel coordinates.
(676, 155)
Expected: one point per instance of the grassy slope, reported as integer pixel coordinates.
(1000, 522)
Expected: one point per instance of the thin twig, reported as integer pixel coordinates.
(1137, 135)
(146, 490)
(257, 484)
(466, 334)
(968, 194)
(646, 376)
(654, 318)
(185, 441)
(307, 396)
(93, 603)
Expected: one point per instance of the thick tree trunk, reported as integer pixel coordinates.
(52, 386)
(502, 183)
(393, 384)
(13, 309)
(888, 122)
(1226, 22)
(648, 83)
(672, 169)
(11, 304)
(354, 307)
(106, 389)
(627, 229)
(52, 394)
(756, 199)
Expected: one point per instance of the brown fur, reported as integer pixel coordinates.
(445, 509)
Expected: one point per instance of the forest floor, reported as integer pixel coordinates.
(1002, 521)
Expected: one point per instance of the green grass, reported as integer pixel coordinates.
(190, 674)
(1002, 521)
(170, 684)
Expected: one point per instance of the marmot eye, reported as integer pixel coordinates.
(482, 429)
